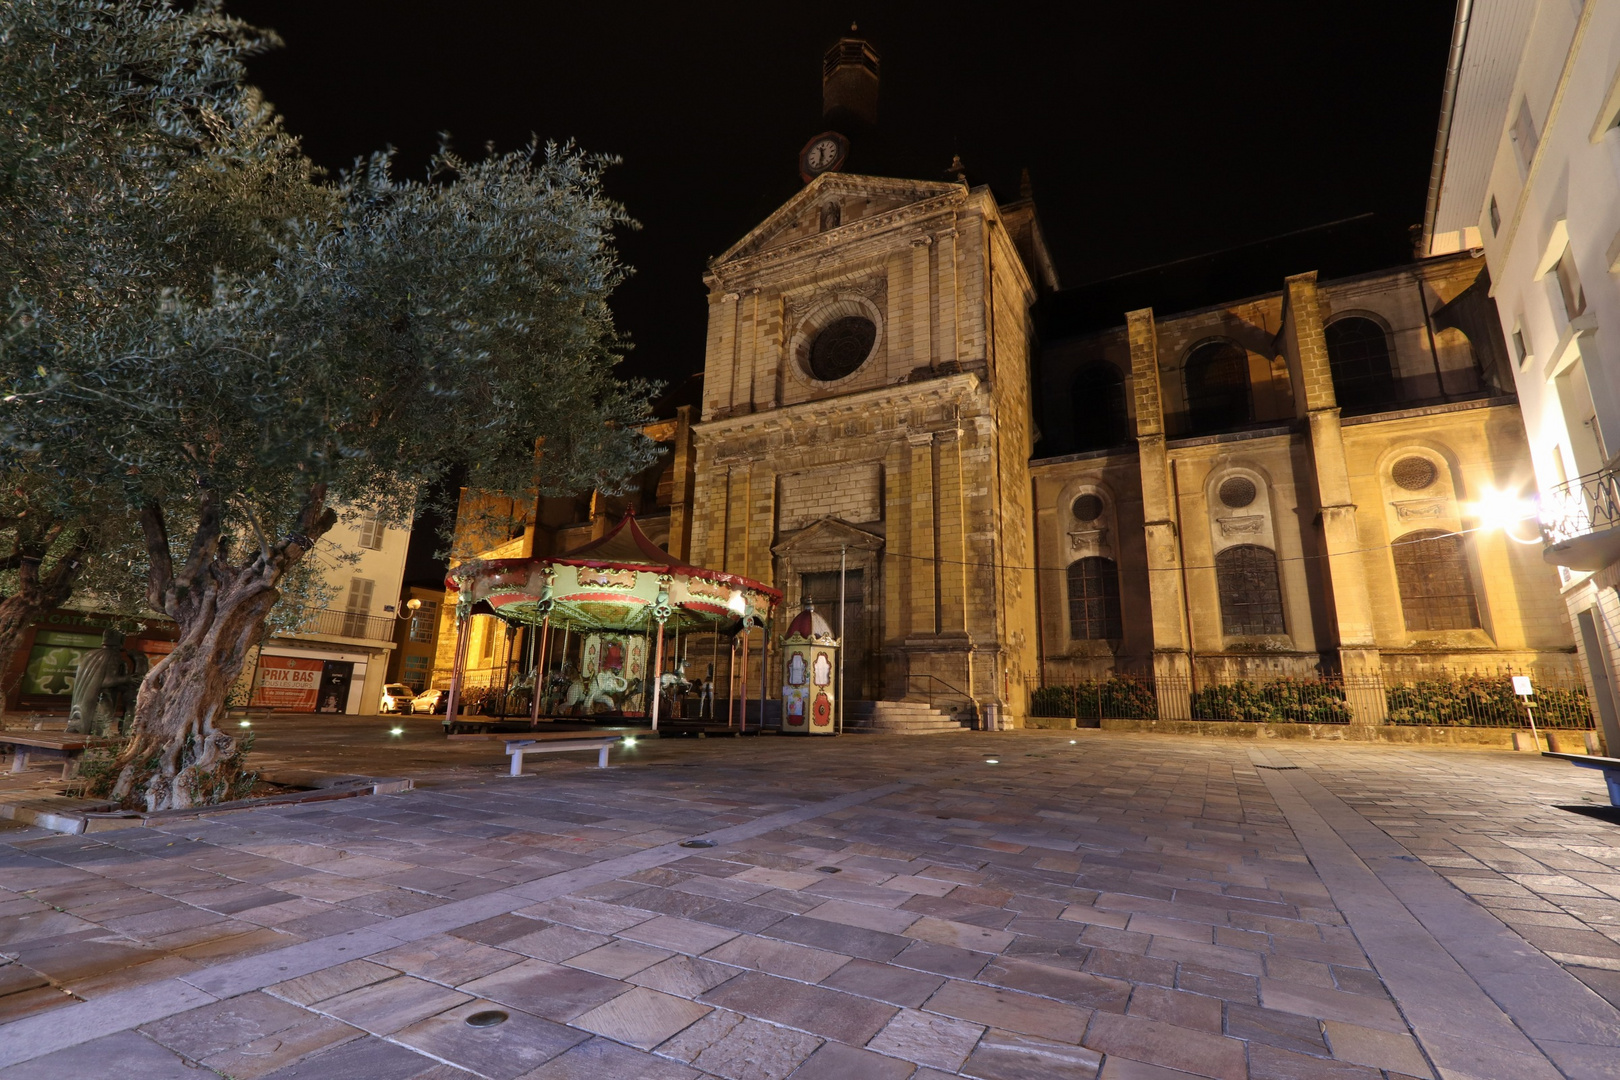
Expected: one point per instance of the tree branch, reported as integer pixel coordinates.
(160, 564)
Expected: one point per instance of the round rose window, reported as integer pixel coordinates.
(842, 346)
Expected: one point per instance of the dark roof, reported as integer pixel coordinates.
(1337, 249)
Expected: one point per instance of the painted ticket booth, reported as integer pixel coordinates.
(809, 673)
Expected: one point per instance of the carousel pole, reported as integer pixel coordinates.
(539, 672)
(731, 685)
(658, 674)
(742, 683)
(459, 660)
(764, 670)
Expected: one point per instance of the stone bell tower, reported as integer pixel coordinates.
(866, 399)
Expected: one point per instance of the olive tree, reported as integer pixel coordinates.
(393, 330)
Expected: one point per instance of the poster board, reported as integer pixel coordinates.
(288, 682)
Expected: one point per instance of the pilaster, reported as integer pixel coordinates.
(1172, 666)
(953, 528)
(1305, 348)
(924, 525)
(921, 309)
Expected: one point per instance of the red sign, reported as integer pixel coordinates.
(286, 682)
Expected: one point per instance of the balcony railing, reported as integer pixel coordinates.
(334, 623)
(1586, 504)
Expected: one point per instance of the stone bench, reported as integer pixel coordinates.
(554, 743)
(70, 748)
(1610, 767)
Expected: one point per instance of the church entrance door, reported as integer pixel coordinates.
(821, 589)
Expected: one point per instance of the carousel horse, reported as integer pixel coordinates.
(674, 687)
(603, 685)
(104, 686)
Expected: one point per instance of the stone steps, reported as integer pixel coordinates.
(904, 718)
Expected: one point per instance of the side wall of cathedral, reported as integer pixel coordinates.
(1295, 483)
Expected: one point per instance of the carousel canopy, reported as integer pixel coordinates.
(622, 581)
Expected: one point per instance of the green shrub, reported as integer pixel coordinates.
(1118, 697)
(1287, 701)
(1485, 701)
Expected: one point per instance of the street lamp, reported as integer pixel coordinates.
(411, 607)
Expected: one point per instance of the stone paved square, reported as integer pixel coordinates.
(1095, 905)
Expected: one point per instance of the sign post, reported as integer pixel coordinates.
(1522, 687)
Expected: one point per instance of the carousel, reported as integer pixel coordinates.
(597, 616)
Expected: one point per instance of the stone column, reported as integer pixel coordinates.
(898, 569)
(952, 553)
(948, 298)
(924, 570)
(1172, 666)
(682, 475)
(1305, 348)
(922, 305)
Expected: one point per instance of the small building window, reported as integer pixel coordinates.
(1521, 352)
(1358, 357)
(371, 531)
(1437, 592)
(415, 672)
(1251, 595)
(1216, 376)
(1523, 134)
(1569, 284)
(1496, 217)
(1097, 404)
(1094, 599)
(842, 347)
(425, 623)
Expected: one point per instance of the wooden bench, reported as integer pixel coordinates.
(70, 748)
(1610, 767)
(551, 743)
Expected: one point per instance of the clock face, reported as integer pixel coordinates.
(824, 153)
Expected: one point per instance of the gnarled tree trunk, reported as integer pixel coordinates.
(38, 590)
(179, 755)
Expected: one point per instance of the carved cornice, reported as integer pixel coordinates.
(895, 398)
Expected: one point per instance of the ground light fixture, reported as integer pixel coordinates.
(629, 740)
(245, 723)
(992, 761)
(396, 731)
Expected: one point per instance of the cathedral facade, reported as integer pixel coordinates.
(1317, 480)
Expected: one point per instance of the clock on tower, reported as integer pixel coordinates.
(824, 153)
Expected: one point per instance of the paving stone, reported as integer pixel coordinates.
(545, 989)
(223, 1025)
(446, 959)
(1002, 1055)
(1380, 1049)
(330, 982)
(641, 1017)
(619, 959)
(885, 982)
(137, 1058)
(385, 1007)
(778, 958)
(261, 1056)
(737, 1048)
(829, 1013)
(681, 935)
(370, 1058)
(1011, 1010)
(684, 976)
(927, 1039)
(959, 935)
(509, 1049)
(1076, 987)
(555, 943)
(943, 960)
(1164, 1044)
(887, 920)
(1274, 1063)
(603, 1059)
(838, 938)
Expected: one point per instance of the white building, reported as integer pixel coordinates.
(337, 661)
(1527, 171)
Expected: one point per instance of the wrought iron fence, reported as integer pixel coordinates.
(1585, 504)
(1463, 699)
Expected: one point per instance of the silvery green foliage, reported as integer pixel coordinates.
(190, 312)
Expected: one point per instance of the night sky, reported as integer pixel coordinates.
(1152, 131)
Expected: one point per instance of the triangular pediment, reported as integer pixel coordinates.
(829, 534)
(860, 198)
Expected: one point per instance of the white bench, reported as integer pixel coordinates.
(549, 743)
(556, 744)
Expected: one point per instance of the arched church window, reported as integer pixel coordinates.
(1251, 595)
(1094, 599)
(1097, 406)
(1437, 592)
(1216, 376)
(842, 346)
(1358, 356)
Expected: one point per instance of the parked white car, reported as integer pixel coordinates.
(429, 701)
(395, 697)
